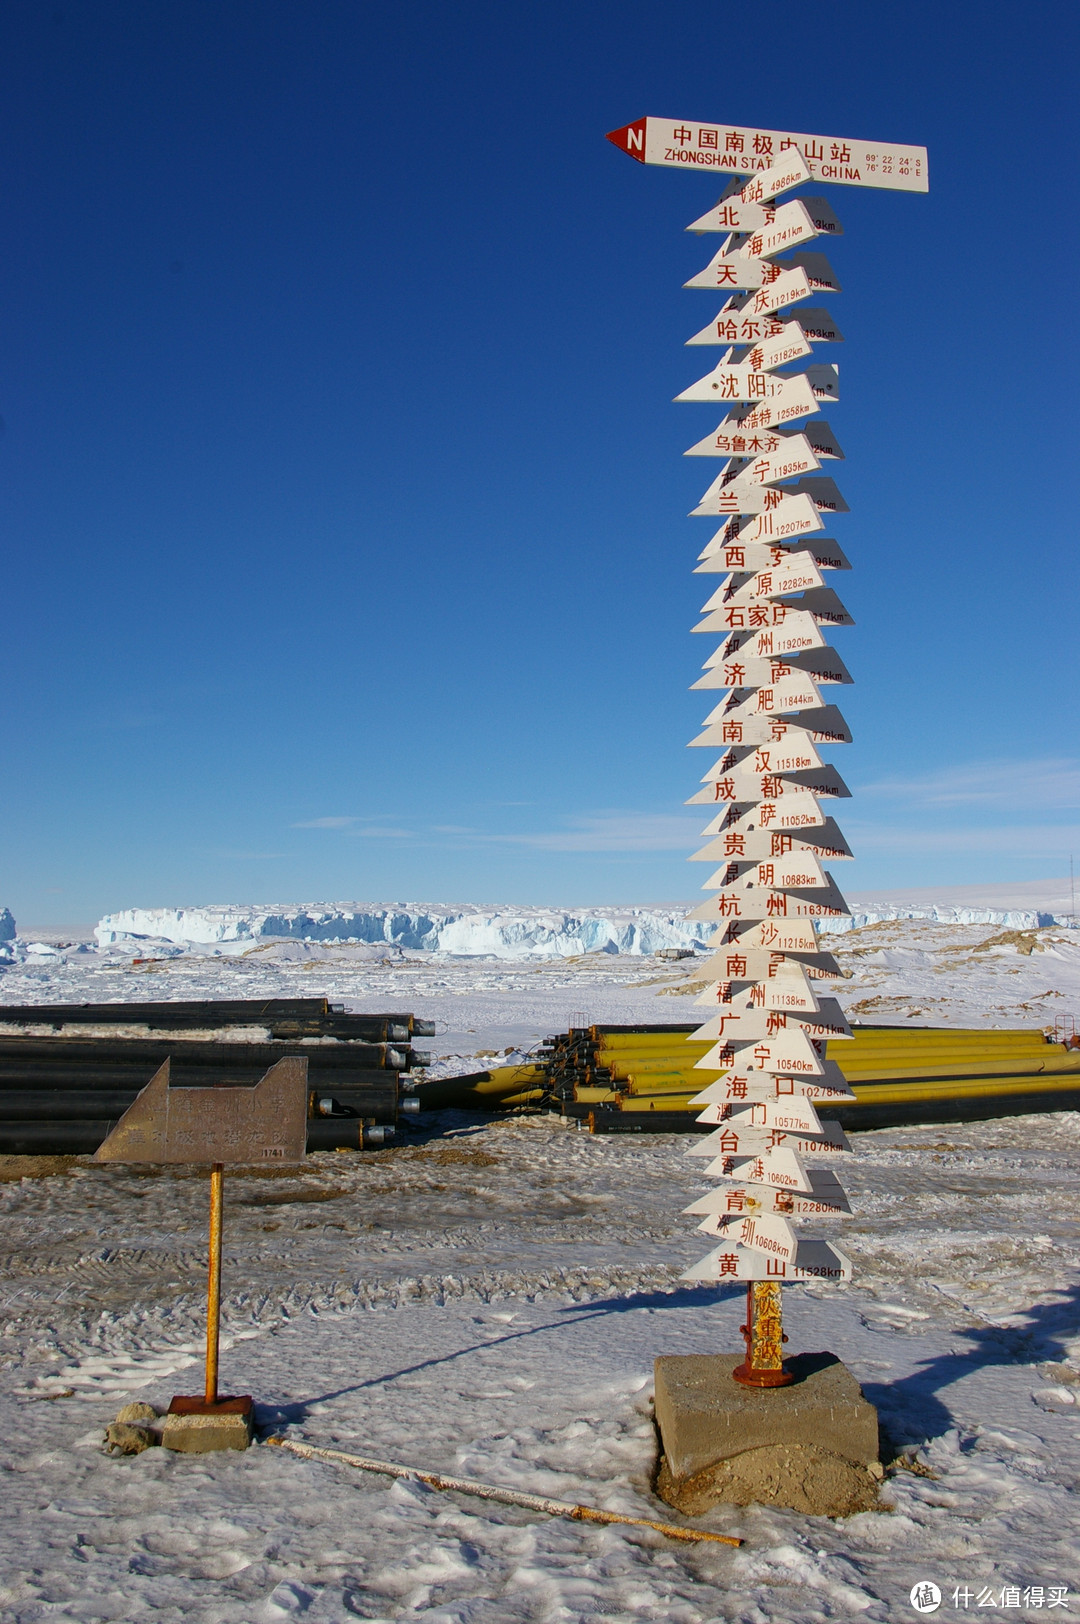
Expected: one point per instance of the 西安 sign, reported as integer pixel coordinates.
(733, 149)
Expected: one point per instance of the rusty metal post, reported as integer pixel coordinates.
(764, 1333)
(213, 1290)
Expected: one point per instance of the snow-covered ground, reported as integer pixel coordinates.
(488, 1297)
(490, 1302)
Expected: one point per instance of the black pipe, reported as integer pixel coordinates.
(83, 1138)
(287, 1017)
(154, 1051)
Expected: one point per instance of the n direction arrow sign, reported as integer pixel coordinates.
(737, 149)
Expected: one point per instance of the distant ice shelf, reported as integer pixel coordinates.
(473, 930)
(470, 931)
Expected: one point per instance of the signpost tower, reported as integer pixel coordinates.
(773, 675)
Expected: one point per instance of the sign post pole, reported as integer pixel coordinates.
(764, 1333)
(213, 1290)
(266, 1124)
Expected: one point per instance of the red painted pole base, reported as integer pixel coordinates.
(747, 1376)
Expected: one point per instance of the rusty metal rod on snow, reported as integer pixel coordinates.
(488, 1491)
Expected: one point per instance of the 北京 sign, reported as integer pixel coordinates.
(734, 150)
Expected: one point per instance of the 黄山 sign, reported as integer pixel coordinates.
(767, 1074)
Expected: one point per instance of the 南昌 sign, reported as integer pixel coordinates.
(734, 150)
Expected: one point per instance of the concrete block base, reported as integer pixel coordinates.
(811, 1447)
(196, 1428)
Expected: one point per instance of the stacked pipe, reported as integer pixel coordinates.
(68, 1072)
(644, 1079)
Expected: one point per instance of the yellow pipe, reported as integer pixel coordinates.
(659, 1102)
(677, 1083)
(890, 1094)
(644, 1042)
(657, 1067)
(975, 1088)
(531, 1096)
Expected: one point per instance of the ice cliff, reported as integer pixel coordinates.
(470, 931)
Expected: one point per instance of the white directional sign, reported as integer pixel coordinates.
(825, 842)
(730, 270)
(732, 214)
(796, 573)
(826, 902)
(738, 965)
(824, 666)
(814, 1260)
(792, 456)
(737, 436)
(771, 180)
(742, 382)
(743, 322)
(797, 871)
(749, 1141)
(791, 518)
(732, 497)
(747, 1020)
(773, 782)
(827, 1199)
(768, 1233)
(746, 555)
(791, 225)
(793, 1115)
(735, 1087)
(736, 149)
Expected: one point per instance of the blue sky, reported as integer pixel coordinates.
(342, 496)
